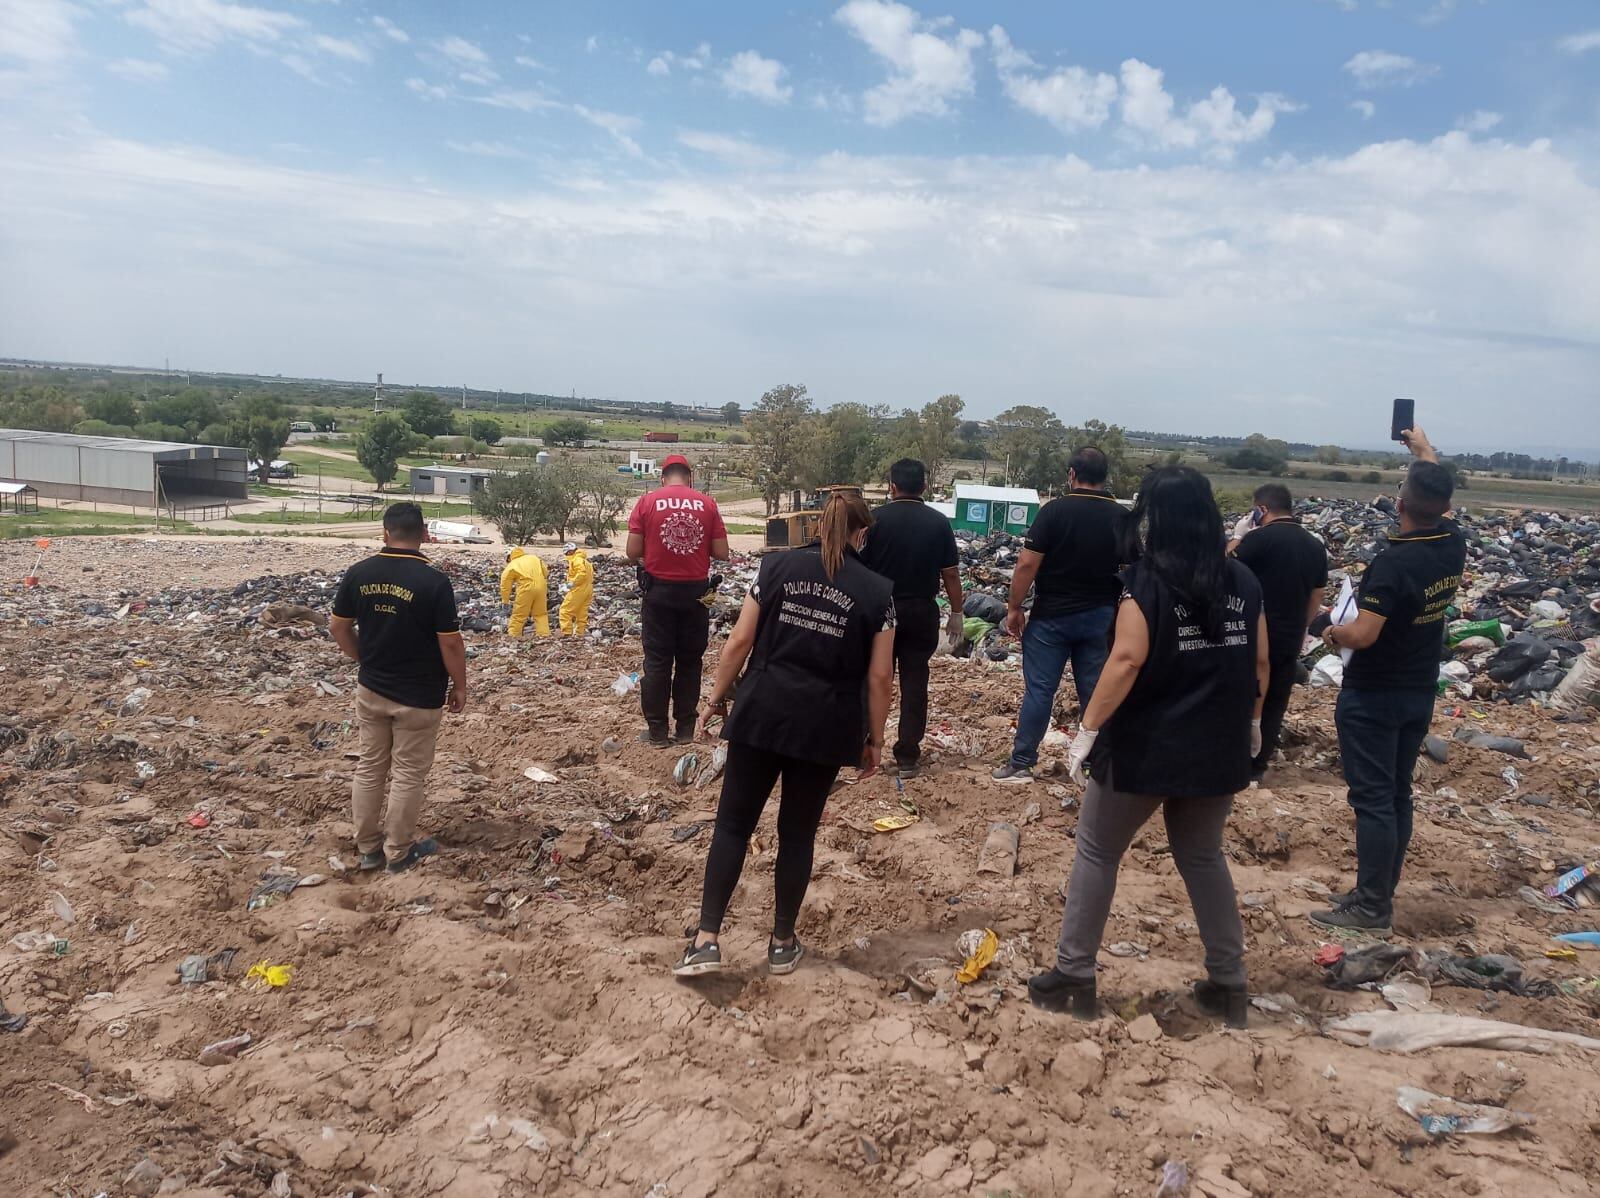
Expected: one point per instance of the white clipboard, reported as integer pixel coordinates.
(1344, 611)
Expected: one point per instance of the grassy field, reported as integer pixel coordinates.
(55, 522)
(310, 463)
(1234, 489)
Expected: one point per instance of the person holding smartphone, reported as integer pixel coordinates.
(1386, 702)
(809, 667)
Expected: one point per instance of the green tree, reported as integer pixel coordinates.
(1032, 442)
(149, 430)
(515, 502)
(1122, 475)
(972, 443)
(1260, 454)
(322, 420)
(732, 414)
(938, 425)
(778, 429)
(114, 408)
(604, 496)
(567, 482)
(192, 409)
(261, 427)
(842, 445)
(1329, 455)
(428, 415)
(1458, 473)
(380, 445)
(669, 410)
(99, 428)
(486, 429)
(569, 430)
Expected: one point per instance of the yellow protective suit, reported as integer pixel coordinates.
(580, 593)
(526, 573)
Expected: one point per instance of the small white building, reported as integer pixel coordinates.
(980, 508)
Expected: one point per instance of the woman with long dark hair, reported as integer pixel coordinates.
(1174, 723)
(817, 631)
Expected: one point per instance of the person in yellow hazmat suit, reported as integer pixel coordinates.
(579, 591)
(526, 573)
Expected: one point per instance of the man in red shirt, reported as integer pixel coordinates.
(675, 531)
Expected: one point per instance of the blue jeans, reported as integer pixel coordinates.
(1380, 734)
(1047, 645)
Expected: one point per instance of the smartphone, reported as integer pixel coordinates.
(1405, 416)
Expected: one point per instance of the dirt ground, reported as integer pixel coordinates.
(501, 1020)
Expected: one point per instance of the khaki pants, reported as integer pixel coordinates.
(396, 754)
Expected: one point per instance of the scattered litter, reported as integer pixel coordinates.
(62, 908)
(685, 832)
(893, 823)
(536, 774)
(11, 1022)
(684, 771)
(624, 683)
(223, 1052)
(271, 890)
(197, 968)
(1174, 1180)
(1587, 939)
(267, 976)
(980, 947)
(1440, 1116)
(999, 852)
(1414, 1031)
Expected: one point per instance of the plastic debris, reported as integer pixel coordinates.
(683, 772)
(999, 852)
(11, 1022)
(536, 773)
(197, 968)
(624, 683)
(271, 890)
(1572, 878)
(1440, 1116)
(1414, 1031)
(893, 823)
(1587, 939)
(268, 976)
(62, 908)
(979, 957)
(223, 1052)
(1174, 1180)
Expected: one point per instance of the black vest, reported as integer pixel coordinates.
(803, 693)
(1184, 729)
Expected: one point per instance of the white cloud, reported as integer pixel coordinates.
(390, 30)
(733, 150)
(39, 34)
(340, 47)
(664, 63)
(1580, 43)
(927, 71)
(524, 60)
(461, 52)
(485, 149)
(616, 124)
(749, 74)
(1380, 68)
(1070, 98)
(1366, 108)
(1480, 121)
(592, 44)
(518, 100)
(1182, 297)
(195, 25)
(138, 70)
(429, 91)
(1149, 112)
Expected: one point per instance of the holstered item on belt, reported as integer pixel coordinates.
(642, 577)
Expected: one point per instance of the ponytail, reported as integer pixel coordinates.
(844, 516)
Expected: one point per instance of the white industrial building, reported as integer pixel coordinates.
(114, 470)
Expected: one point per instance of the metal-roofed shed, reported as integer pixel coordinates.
(982, 509)
(122, 471)
(18, 498)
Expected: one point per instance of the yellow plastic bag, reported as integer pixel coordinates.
(272, 977)
(972, 968)
(893, 823)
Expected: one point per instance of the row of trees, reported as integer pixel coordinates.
(553, 499)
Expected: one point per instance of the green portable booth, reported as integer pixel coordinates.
(983, 509)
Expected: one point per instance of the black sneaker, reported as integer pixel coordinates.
(683, 736)
(1229, 1003)
(784, 958)
(1055, 991)
(1013, 775)
(908, 769)
(695, 961)
(419, 850)
(370, 861)
(1352, 917)
(653, 739)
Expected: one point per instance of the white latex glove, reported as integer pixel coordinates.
(1246, 523)
(1079, 753)
(1255, 738)
(956, 627)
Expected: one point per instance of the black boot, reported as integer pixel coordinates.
(1055, 991)
(1231, 1003)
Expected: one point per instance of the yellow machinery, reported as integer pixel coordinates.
(799, 527)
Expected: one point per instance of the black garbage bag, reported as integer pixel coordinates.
(1545, 678)
(985, 607)
(1519, 655)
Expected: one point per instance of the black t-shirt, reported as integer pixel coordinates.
(1411, 584)
(910, 544)
(1289, 563)
(803, 693)
(1080, 535)
(1184, 729)
(401, 606)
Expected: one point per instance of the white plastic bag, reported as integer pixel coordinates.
(1328, 672)
(1582, 682)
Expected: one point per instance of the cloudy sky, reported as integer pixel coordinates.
(1218, 217)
